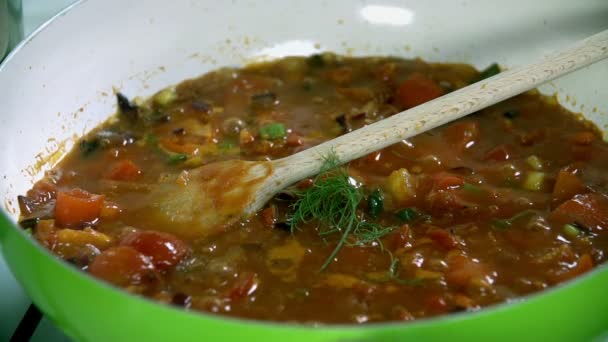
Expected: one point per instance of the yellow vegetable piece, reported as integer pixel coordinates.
(340, 281)
(430, 275)
(84, 237)
(376, 276)
(401, 185)
(283, 261)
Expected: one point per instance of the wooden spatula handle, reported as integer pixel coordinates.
(447, 108)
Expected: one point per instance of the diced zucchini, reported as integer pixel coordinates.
(534, 181)
(534, 162)
(165, 96)
(571, 230)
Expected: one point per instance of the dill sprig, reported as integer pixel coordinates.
(333, 200)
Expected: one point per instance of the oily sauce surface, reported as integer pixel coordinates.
(503, 203)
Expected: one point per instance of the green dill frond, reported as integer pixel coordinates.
(332, 201)
(368, 232)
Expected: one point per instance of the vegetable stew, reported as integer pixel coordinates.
(506, 202)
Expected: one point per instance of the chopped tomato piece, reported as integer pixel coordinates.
(293, 140)
(124, 170)
(583, 138)
(567, 185)
(588, 210)
(163, 249)
(463, 301)
(373, 157)
(499, 153)
(77, 207)
(245, 285)
(173, 145)
(269, 216)
(122, 266)
(400, 237)
(437, 304)
(462, 270)
(417, 89)
(305, 183)
(462, 134)
(442, 238)
(446, 181)
(584, 264)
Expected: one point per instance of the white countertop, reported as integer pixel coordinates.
(14, 301)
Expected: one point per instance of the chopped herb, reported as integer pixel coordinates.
(393, 274)
(176, 158)
(172, 158)
(447, 86)
(29, 223)
(375, 203)
(471, 188)
(502, 224)
(307, 84)
(571, 230)
(488, 72)
(407, 214)
(333, 200)
(201, 106)
(367, 232)
(341, 120)
(266, 99)
(151, 140)
(510, 114)
(87, 147)
(226, 145)
(274, 130)
(508, 223)
(316, 61)
(126, 107)
(157, 116)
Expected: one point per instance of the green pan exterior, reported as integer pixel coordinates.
(89, 310)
